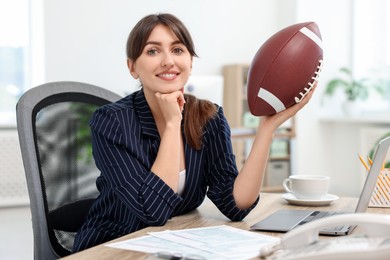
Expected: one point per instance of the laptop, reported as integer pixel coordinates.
(284, 220)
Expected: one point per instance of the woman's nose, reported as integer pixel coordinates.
(167, 61)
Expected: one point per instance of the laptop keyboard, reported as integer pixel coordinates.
(321, 214)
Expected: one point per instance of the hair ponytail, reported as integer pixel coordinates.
(197, 112)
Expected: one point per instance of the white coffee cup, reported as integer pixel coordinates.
(307, 186)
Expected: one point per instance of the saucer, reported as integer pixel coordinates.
(327, 200)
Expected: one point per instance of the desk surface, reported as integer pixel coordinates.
(208, 215)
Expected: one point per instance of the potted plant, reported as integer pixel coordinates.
(354, 89)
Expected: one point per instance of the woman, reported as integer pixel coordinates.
(160, 151)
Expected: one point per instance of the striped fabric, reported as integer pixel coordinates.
(125, 144)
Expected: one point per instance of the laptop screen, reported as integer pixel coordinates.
(369, 185)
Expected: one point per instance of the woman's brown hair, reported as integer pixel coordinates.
(197, 111)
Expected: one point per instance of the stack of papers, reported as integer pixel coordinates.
(218, 242)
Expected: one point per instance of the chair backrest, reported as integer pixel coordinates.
(54, 135)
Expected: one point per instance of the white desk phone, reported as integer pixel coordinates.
(303, 242)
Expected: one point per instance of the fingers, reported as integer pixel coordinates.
(174, 98)
(279, 118)
(309, 95)
(304, 101)
(171, 105)
(181, 101)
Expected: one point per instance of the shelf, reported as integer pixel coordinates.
(244, 126)
(243, 132)
(383, 118)
(286, 158)
(247, 132)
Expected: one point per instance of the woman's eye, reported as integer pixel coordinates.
(152, 52)
(178, 50)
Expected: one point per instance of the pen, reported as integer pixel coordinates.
(364, 163)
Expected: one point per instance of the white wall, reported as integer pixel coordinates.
(320, 149)
(85, 41)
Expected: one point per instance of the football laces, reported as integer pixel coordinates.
(311, 84)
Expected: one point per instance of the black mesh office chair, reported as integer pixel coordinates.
(54, 135)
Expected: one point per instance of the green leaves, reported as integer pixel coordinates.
(354, 89)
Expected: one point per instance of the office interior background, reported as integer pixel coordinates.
(84, 40)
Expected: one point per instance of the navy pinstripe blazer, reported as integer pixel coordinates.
(125, 144)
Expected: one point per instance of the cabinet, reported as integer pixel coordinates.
(244, 125)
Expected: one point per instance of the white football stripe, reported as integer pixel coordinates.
(271, 99)
(312, 36)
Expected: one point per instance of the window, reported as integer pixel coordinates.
(14, 54)
(387, 28)
(371, 38)
(371, 46)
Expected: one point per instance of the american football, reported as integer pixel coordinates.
(284, 69)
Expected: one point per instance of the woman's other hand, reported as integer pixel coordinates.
(272, 122)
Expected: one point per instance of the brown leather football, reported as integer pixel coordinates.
(284, 69)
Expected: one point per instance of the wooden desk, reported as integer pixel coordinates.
(208, 215)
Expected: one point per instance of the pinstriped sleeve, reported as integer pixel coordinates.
(222, 169)
(125, 168)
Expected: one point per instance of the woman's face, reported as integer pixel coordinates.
(164, 65)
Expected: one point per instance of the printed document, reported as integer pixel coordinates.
(218, 242)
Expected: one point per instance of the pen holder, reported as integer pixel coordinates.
(381, 195)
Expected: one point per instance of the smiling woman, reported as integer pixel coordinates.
(162, 151)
